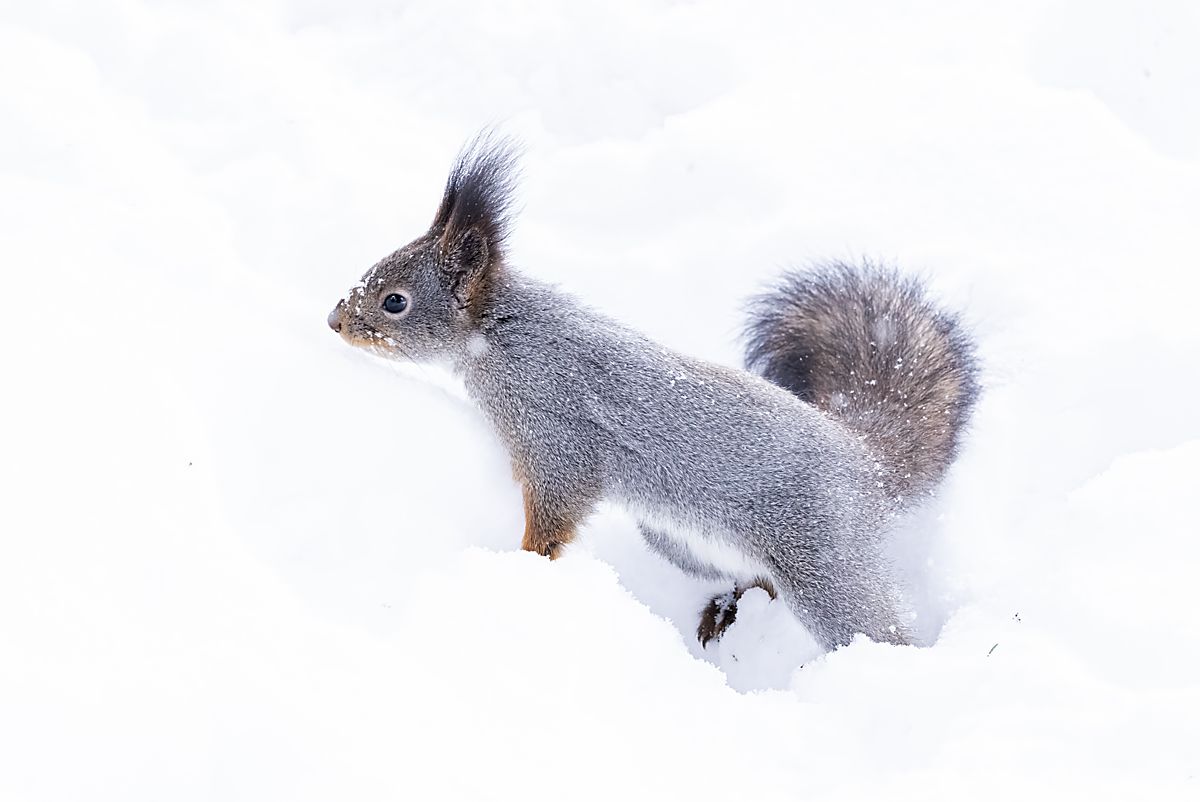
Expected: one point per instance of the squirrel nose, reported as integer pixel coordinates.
(335, 318)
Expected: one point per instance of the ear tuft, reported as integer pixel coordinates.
(478, 198)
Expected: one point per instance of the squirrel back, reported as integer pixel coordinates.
(867, 346)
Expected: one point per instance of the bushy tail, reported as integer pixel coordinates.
(867, 346)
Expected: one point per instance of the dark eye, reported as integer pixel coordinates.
(395, 303)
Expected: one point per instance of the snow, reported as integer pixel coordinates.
(243, 561)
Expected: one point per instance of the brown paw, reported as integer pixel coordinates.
(553, 549)
(720, 612)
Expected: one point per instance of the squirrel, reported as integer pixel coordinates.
(785, 476)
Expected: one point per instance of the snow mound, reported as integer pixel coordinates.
(242, 561)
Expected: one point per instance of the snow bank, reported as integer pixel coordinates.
(242, 561)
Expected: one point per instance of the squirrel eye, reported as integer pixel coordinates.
(395, 303)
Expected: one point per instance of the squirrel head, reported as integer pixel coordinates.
(424, 301)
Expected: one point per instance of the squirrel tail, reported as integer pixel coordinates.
(867, 346)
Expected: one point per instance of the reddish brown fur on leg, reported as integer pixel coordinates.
(544, 533)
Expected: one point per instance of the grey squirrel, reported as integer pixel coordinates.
(788, 480)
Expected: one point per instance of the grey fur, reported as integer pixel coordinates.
(731, 475)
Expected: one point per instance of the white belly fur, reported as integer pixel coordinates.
(710, 548)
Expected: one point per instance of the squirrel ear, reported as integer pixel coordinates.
(466, 264)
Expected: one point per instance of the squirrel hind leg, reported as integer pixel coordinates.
(835, 617)
(721, 610)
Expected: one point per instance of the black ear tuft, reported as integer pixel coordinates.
(478, 197)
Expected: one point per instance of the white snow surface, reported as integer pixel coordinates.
(242, 561)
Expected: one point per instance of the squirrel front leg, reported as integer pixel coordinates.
(547, 525)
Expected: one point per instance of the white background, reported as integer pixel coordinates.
(241, 561)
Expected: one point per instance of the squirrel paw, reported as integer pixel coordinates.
(720, 612)
(553, 550)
